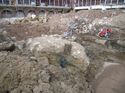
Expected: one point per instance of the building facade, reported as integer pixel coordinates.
(65, 3)
(14, 7)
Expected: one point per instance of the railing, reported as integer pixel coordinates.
(62, 3)
(26, 2)
(79, 3)
(54, 3)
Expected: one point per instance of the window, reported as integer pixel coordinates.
(20, 13)
(0, 1)
(6, 1)
(121, 1)
(43, 1)
(26, 1)
(32, 2)
(20, 1)
(52, 2)
(6, 14)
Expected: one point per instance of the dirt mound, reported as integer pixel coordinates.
(36, 71)
(6, 43)
(54, 65)
(20, 72)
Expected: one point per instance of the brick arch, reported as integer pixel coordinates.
(8, 9)
(31, 13)
(50, 12)
(42, 12)
(7, 13)
(20, 13)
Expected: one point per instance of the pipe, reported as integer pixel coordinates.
(66, 3)
(95, 2)
(117, 2)
(29, 2)
(54, 2)
(58, 2)
(82, 2)
(111, 2)
(78, 3)
(86, 3)
(105, 2)
(16, 2)
(2, 1)
(100, 2)
(90, 2)
(62, 2)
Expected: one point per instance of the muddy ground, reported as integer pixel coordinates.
(21, 72)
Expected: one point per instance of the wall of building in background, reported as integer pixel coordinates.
(11, 8)
(4, 1)
(98, 2)
(64, 3)
(26, 2)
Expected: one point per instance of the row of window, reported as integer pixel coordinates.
(18, 1)
(61, 2)
(26, 1)
(98, 2)
(4, 1)
(37, 2)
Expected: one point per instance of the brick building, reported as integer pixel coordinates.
(14, 7)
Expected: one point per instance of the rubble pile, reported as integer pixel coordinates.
(51, 44)
(6, 43)
(42, 60)
(31, 20)
(47, 64)
(115, 21)
(19, 20)
(80, 26)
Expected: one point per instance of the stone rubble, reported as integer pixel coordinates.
(55, 63)
(51, 44)
(47, 64)
(6, 43)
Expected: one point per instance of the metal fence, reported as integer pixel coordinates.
(64, 3)
(98, 2)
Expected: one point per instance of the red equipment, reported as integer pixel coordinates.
(104, 32)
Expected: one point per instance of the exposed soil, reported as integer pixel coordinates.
(57, 24)
(21, 72)
(111, 80)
